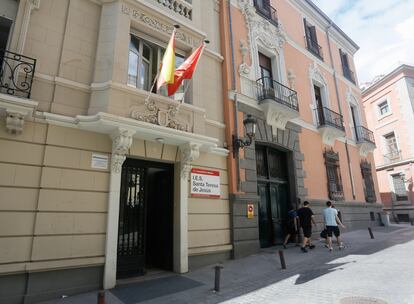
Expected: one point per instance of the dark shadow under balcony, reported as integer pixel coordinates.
(278, 102)
(266, 11)
(16, 74)
(330, 125)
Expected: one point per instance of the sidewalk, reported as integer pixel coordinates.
(317, 276)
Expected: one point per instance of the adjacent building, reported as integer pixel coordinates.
(389, 106)
(291, 68)
(94, 162)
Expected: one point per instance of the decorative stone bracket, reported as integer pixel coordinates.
(189, 153)
(277, 115)
(365, 148)
(121, 142)
(330, 134)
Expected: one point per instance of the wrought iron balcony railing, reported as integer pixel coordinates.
(267, 88)
(327, 117)
(314, 47)
(267, 11)
(392, 157)
(364, 134)
(16, 74)
(348, 74)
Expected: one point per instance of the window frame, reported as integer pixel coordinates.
(378, 109)
(369, 185)
(311, 35)
(158, 46)
(393, 190)
(333, 174)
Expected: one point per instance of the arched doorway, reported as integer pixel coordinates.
(273, 191)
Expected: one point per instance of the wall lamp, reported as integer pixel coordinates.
(250, 129)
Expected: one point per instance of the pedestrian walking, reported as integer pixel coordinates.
(306, 219)
(291, 227)
(332, 220)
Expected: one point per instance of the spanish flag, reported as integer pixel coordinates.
(168, 64)
(185, 70)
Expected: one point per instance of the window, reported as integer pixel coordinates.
(369, 188)
(144, 59)
(312, 40)
(391, 146)
(333, 171)
(383, 108)
(399, 187)
(348, 73)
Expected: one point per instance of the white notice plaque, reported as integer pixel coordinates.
(99, 161)
(205, 183)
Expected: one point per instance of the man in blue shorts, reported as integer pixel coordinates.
(332, 220)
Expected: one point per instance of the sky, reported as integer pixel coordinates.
(383, 29)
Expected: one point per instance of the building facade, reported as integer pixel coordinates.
(388, 104)
(289, 66)
(94, 162)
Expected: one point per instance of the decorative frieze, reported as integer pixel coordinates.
(147, 20)
(165, 117)
(181, 7)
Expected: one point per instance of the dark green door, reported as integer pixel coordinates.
(273, 193)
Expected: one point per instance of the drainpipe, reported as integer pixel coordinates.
(233, 88)
(340, 109)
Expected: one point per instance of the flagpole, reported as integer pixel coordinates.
(176, 26)
(206, 41)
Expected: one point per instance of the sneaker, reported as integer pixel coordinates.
(303, 249)
(341, 246)
(330, 249)
(311, 246)
(326, 246)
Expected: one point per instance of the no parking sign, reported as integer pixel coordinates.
(250, 211)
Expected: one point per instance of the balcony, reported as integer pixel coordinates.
(278, 102)
(266, 11)
(365, 140)
(392, 157)
(348, 74)
(181, 7)
(330, 125)
(314, 47)
(16, 74)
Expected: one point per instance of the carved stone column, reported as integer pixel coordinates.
(188, 153)
(121, 142)
(30, 5)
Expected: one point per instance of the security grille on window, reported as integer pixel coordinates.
(369, 188)
(312, 39)
(393, 152)
(333, 172)
(144, 60)
(399, 187)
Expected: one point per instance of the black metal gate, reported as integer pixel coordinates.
(131, 231)
(145, 234)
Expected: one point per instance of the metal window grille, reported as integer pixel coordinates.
(333, 172)
(369, 188)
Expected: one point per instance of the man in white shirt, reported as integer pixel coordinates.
(331, 221)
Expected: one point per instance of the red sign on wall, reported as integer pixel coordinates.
(205, 183)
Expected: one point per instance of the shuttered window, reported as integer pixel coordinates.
(369, 189)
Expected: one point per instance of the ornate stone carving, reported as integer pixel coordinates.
(277, 115)
(35, 4)
(330, 134)
(316, 74)
(292, 79)
(244, 68)
(157, 25)
(152, 113)
(189, 153)
(260, 30)
(121, 142)
(14, 122)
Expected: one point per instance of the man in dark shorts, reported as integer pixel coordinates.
(306, 219)
(332, 220)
